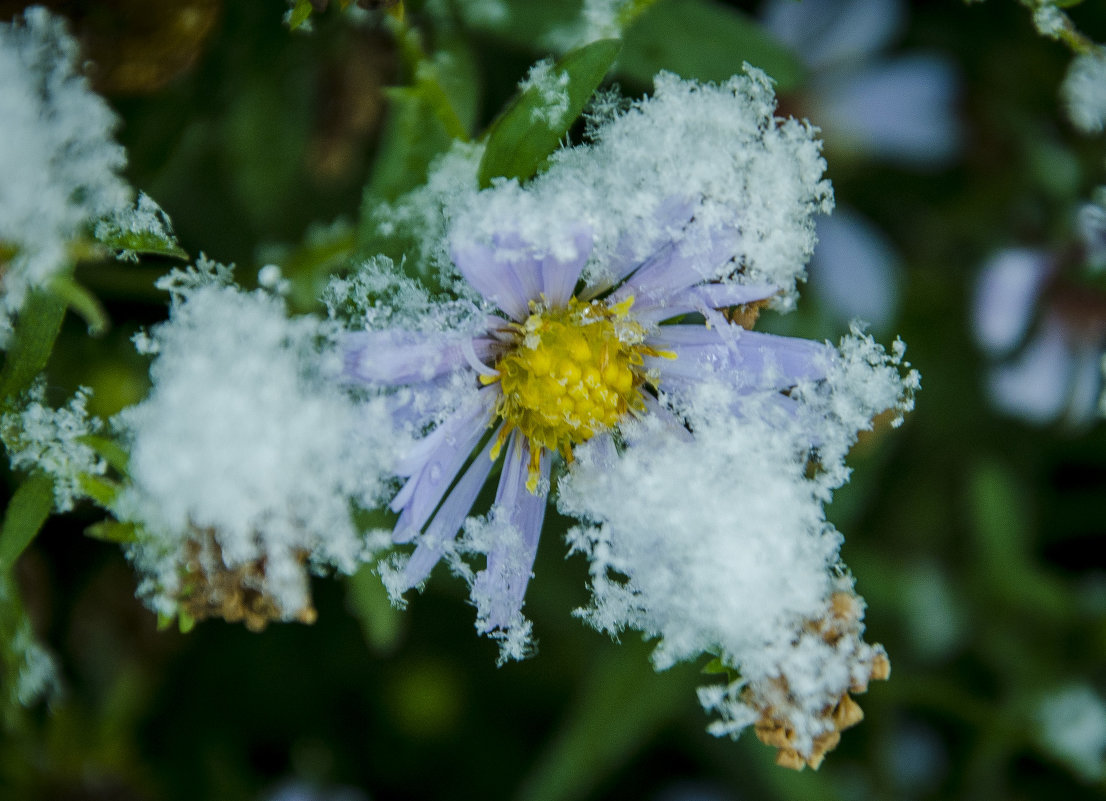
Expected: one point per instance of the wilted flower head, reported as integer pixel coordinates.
(604, 320)
(244, 458)
(58, 158)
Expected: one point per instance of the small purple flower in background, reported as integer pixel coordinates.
(896, 108)
(1038, 317)
(899, 109)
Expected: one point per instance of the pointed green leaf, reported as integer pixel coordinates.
(109, 450)
(113, 531)
(35, 332)
(83, 302)
(27, 510)
(185, 622)
(531, 127)
(299, 14)
(100, 490)
(145, 243)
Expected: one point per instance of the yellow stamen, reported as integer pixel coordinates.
(573, 372)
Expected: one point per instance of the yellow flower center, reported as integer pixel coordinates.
(573, 372)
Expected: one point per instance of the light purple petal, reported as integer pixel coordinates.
(902, 110)
(559, 275)
(702, 298)
(507, 278)
(668, 220)
(1006, 295)
(511, 274)
(855, 270)
(449, 519)
(1035, 387)
(677, 266)
(395, 356)
(825, 33)
(433, 463)
(750, 360)
(501, 586)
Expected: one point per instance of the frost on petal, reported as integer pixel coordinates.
(751, 182)
(245, 458)
(59, 161)
(734, 559)
(38, 437)
(1072, 727)
(803, 700)
(1084, 91)
(508, 537)
(717, 561)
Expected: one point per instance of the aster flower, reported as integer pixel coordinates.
(557, 368)
(1040, 317)
(595, 345)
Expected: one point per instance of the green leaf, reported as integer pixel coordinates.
(27, 510)
(113, 531)
(108, 449)
(455, 70)
(530, 128)
(185, 621)
(146, 243)
(299, 14)
(381, 623)
(83, 302)
(413, 136)
(36, 329)
(669, 36)
(101, 490)
(621, 705)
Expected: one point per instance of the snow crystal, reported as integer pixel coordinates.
(1073, 728)
(59, 162)
(552, 87)
(247, 436)
(38, 437)
(717, 149)
(736, 557)
(1050, 21)
(424, 214)
(145, 218)
(720, 560)
(1084, 91)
